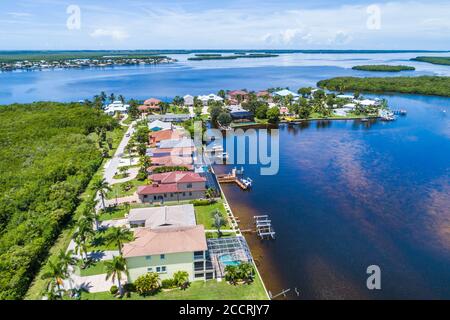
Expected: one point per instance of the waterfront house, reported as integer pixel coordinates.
(154, 138)
(188, 100)
(189, 152)
(173, 186)
(168, 250)
(169, 117)
(238, 113)
(210, 97)
(151, 104)
(285, 93)
(163, 217)
(116, 107)
(159, 125)
(171, 161)
(237, 96)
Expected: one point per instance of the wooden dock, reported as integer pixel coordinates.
(231, 178)
(264, 227)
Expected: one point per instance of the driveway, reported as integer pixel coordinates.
(95, 283)
(115, 223)
(113, 164)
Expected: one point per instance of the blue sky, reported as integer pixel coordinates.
(246, 24)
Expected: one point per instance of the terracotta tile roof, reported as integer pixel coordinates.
(157, 189)
(158, 136)
(145, 108)
(177, 177)
(238, 92)
(152, 101)
(171, 160)
(166, 240)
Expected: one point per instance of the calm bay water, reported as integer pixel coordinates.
(348, 194)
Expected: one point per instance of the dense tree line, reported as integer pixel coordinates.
(429, 85)
(434, 60)
(383, 68)
(47, 157)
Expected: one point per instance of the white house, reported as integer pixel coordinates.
(285, 93)
(210, 97)
(159, 125)
(188, 100)
(116, 106)
(367, 102)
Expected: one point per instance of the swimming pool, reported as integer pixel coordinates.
(227, 260)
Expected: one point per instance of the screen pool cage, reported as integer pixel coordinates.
(228, 251)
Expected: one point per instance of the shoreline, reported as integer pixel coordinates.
(235, 227)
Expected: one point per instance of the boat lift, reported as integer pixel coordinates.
(264, 227)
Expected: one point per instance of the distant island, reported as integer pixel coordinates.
(434, 60)
(383, 68)
(52, 60)
(200, 57)
(427, 85)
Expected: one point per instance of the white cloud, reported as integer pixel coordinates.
(288, 37)
(340, 38)
(19, 14)
(115, 34)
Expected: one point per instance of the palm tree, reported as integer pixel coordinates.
(121, 98)
(55, 273)
(119, 235)
(181, 278)
(246, 271)
(209, 193)
(103, 96)
(231, 274)
(101, 187)
(218, 222)
(82, 235)
(91, 210)
(114, 270)
(67, 259)
(112, 97)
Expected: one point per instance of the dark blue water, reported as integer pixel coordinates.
(351, 194)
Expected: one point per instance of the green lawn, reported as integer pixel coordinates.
(205, 214)
(199, 290)
(119, 192)
(113, 213)
(214, 235)
(93, 269)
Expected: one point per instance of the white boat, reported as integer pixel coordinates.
(247, 182)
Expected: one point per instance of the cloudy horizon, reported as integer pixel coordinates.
(248, 24)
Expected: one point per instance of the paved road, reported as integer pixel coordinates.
(111, 166)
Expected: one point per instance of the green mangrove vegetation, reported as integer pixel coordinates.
(49, 153)
(200, 57)
(428, 85)
(383, 68)
(434, 60)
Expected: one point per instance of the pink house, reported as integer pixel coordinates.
(173, 186)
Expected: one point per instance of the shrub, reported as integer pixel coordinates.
(114, 290)
(147, 284)
(203, 202)
(181, 279)
(129, 287)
